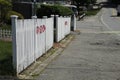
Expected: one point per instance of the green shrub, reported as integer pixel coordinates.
(47, 10)
(8, 16)
(92, 12)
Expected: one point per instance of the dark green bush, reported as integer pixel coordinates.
(8, 16)
(47, 10)
(5, 6)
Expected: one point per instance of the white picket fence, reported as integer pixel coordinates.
(31, 39)
(5, 34)
(63, 25)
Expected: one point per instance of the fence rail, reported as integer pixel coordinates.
(5, 34)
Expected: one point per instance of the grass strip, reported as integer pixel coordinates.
(6, 67)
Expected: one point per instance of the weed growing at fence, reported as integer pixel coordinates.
(6, 67)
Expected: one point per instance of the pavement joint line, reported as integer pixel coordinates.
(106, 25)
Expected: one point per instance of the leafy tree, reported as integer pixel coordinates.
(5, 6)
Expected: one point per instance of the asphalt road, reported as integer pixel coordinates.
(110, 19)
(92, 55)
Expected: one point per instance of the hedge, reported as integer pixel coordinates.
(47, 10)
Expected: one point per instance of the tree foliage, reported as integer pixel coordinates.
(84, 2)
(48, 10)
(5, 6)
(115, 1)
(6, 12)
(8, 16)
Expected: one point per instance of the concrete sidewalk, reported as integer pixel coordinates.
(90, 56)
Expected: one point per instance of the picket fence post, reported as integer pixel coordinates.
(45, 17)
(14, 47)
(56, 28)
(52, 16)
(73, 22)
